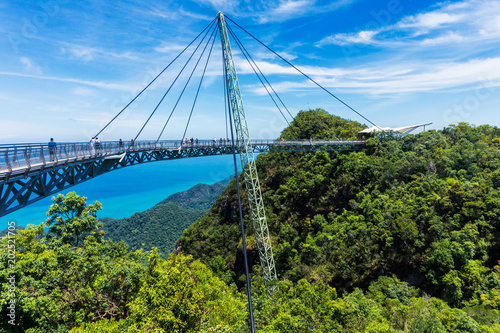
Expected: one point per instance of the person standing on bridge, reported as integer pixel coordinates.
(92, 146)
(98, 146)
(52, 149)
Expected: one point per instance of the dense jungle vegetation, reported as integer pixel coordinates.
(402, 236)
(423, 208)
(160, 226)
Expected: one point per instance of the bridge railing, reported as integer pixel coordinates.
(18, 158)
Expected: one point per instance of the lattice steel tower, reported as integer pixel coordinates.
(248, 162)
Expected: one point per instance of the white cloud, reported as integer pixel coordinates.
(96, 84)
(286, 10)
(362, 37)
(83, 91)
(87, 53)
(466, 21)
(222, 5)
(30, 66)
(81, 52)
(264, 11)
(406, 77)
(183, 12)
(177, 14)
(293, 9)
(268, 55)
(169, 47)
(443, 76)
(449, 38)
(430, 20)
(269, 68)
(292, 6)
(487, 20)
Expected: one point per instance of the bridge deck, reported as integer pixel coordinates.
(29, 172)
(23, 159)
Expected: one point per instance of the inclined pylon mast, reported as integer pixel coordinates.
(248, 162)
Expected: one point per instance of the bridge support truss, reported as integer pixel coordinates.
(248, 162)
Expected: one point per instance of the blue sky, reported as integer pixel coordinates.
(69, 66)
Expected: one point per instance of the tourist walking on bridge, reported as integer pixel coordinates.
(92, 146)
(98, 146)
(52, 149)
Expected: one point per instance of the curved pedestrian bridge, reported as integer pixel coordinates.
(30, 172)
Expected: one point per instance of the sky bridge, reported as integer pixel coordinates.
(29, 172)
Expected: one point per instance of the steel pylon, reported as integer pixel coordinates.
(248, 162)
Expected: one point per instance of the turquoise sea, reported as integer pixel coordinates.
(137, 188)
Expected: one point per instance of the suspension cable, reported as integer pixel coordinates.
(150, 83)
(251, 65)
(225, 98)
(246, 53)
(185, 86)
(225, 109)
(169, 88)
(201, 81)
(307, 76)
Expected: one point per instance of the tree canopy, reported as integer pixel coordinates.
(70, 218)
(423, 207)
(402, 236)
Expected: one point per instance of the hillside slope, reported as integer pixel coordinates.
(5, 232)
(424, 207)
(161, 225)
(200, 196)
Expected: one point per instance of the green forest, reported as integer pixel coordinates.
(160, 226)
(401, 236)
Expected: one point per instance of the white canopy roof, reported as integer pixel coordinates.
(400, 130)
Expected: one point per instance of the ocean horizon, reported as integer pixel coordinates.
(135, 188)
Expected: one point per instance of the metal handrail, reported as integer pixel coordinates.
(37, 155)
